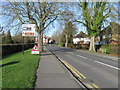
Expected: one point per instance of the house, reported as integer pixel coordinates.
(81, 38)
(46, 39)
(109, 35)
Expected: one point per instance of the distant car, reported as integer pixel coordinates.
(101, 43)
(97, 43)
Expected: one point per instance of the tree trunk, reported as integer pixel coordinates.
(40, 42)
(40, 38)
(92, 44)
(66, 44)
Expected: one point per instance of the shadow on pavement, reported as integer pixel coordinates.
(42, 54)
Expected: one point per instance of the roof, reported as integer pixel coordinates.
(81, 35)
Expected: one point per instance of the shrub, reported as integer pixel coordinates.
(61, 44)
(113, 49)
(71, 45)
(76, 46)
(105, 48)
(85, 46)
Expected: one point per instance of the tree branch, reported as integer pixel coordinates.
(50, 22)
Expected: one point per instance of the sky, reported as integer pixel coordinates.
(58, 0)
(52, 28)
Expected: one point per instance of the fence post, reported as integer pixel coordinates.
(23, 46)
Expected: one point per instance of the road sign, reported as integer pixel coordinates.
(28, 29)
(35, 50)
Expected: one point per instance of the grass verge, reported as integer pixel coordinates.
(18, 71)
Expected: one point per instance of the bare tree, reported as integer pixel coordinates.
(56, 35)
(42, 14)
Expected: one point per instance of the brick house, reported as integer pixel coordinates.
(109, 35)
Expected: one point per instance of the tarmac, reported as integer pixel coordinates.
(52, 74)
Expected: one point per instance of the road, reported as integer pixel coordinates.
(101, 70)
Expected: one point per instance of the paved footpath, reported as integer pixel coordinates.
(51, 74)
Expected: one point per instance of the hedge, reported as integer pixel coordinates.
(10, 49)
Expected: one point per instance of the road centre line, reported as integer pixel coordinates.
(78, 55)
(70, 52)
(81, 56)
(97, 62)
(115, 59)
(107, 65)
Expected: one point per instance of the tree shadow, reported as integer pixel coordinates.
(10, 63)
(5, 56)
(42, 54)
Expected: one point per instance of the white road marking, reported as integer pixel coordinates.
(107, 65)
(81, 56)
(77, 55)
(91, 59)
(70, 52)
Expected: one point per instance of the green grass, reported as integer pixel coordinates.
(18, 71)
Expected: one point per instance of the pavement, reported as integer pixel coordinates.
(98, 69)
(52, 74)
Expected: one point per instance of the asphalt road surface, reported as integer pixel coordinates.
(101, 70)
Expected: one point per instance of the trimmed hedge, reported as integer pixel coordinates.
(10, 49)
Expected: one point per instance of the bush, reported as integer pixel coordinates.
(71, 45)
(110, 49)
(76, 46)
(105, 48)
(115, 49)
(85, 46)
(61, 44)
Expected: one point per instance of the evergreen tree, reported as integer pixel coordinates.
(3, 37)
(8, 38)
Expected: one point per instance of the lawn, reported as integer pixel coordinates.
(18, 71)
